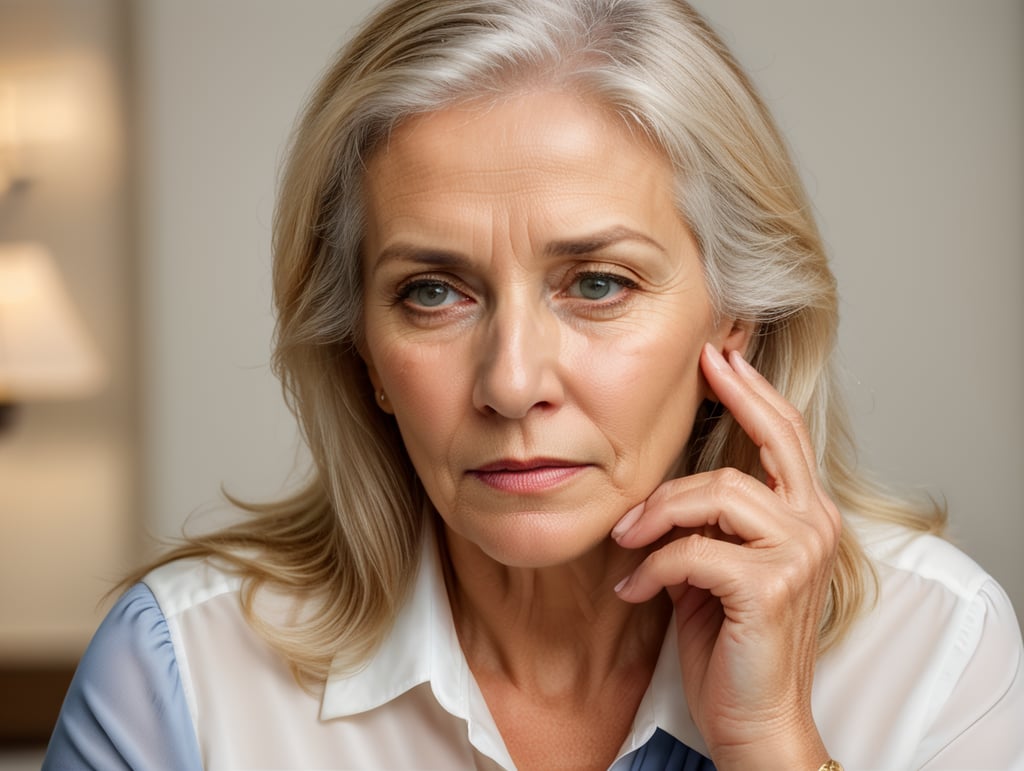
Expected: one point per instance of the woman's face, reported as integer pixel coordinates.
(534, 312)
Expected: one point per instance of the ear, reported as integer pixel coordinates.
(730, 335)
(734, 335)
(379, 395)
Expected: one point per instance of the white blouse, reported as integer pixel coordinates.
(930, 678)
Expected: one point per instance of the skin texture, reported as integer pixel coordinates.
(536, 316)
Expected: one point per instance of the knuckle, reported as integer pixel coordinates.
(815, 543)
(797, 568)
(777, 590)
(690, 548)
(727, 483)
(654, 563)
(786, 583)
(817, 555)
(820, 546)
(661, 495)
(791, 415)
(827, 525)
(731, 478)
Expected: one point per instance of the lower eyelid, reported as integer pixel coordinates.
(453, 304)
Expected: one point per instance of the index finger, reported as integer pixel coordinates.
(771, 422)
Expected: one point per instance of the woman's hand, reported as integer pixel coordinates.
(747, 565)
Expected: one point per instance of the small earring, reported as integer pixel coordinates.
(382, 396)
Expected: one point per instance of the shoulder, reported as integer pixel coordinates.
(899, 552)
(927, 581)
(209, 609)
(186, 584)
(126, 706)
(932, 667)
(930, 589)
(209, 622)
(216, 612)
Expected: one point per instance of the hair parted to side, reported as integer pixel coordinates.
(348, 543)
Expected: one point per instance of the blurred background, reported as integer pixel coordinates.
(140, 142)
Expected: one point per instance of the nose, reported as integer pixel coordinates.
(518, 366)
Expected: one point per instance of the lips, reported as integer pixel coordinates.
(525, 477)
(508, 464)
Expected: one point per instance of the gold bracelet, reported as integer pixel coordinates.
(830, 765)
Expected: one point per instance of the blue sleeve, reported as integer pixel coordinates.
(125, 708)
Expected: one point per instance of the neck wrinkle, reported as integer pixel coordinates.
(554, 631)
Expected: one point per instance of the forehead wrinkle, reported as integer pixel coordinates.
(418, 176)
(417, 154)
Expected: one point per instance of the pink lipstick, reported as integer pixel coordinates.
(525, 477)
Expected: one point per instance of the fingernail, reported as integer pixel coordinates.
(715, 358)
(628, 520)
(622, 584)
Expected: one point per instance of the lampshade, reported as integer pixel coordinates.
(44, 350)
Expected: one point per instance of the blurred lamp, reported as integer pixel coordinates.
(44, 350)
(12, 139)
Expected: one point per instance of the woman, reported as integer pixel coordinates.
(524, 252)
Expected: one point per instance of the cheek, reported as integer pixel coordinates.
(427, 391)
(418, 386)
(412, 373)
(645, 395)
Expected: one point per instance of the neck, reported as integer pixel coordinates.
(556, 631)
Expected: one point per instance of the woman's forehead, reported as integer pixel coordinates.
(543, 146)
(571, 125)
(538, 178)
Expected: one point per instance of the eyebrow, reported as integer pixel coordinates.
(579, 247)
(438, 258)
(570, 247)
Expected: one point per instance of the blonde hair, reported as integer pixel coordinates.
(347, 544)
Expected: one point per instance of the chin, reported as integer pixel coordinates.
(534, 540)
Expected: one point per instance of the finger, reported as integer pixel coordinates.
(699, 617)
(700, 562)
(760, 384)
(728, 499)
(761, 582)
(769, 393)
(774, 429)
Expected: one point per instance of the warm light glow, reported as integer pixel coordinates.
(42, 105)
(44, 351)
(10, 137)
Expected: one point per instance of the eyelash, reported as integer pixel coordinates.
(406, 289)
(595, 306)
(625, 285)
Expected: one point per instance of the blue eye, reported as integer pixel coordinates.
(597, 286)
(430, 294)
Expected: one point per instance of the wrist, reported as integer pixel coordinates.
(765, 759)
(792, 749)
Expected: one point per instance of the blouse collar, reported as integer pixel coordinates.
(423, 647)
